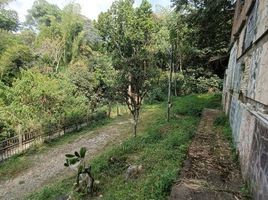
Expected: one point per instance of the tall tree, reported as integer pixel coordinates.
(211, 21)
(128, 32)
(42, 13)
(8, 18)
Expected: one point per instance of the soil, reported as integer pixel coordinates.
(48, 167)
(209, 172)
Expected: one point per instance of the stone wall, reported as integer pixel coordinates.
(245, 93)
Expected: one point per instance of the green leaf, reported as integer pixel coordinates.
(83, 151)
(77, 154)
(73, 161)
(69, 155)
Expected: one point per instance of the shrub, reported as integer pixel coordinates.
(197, 81)
(191, 81)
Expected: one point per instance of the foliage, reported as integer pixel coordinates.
(130, 41)
(13, 60)
(211, 22)
(50, 76)
(37, 100)
(95, 78)
(72, 159)
(160, 140)
(159, 91)
(8, 18)
(191, 81)
(198, 81)
(81, 66)
(84, 179)
(42, 13)
(179, 38)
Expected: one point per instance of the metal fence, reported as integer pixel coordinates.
(20, 143)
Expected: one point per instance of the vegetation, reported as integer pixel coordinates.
(51, 75)
(210, 22)
(84, 180)
(158, 140)
(59, 68)
(222, 125)
(16, 164)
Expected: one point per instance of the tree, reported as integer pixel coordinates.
(127, 32)
(65, 36)
(42, 13)
(8, 18)
(37, 101)
(210, 22)
(7, 40)
(13, 60)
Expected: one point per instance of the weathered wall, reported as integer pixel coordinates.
(245, 93)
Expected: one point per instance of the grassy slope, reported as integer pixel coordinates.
(160, 147)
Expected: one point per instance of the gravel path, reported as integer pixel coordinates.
(49, 166)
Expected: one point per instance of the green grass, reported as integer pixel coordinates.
(13, 166)
(222, 125)
(222, 122)
(160, 148)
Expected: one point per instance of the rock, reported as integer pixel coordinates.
(133, 171)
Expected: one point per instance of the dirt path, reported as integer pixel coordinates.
(209, 172)
(49, 166)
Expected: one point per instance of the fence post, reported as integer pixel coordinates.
(19, 128)
(20, 141)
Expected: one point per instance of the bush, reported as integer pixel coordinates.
(191, 81)
(159, 90)
(197, 81)
(38, 103)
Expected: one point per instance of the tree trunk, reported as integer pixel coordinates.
(136, 119)
(169, 86)
(117, 110)
(175, 69)
(180, 64)
(109, 109)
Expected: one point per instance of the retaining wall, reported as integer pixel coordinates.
(245, 93)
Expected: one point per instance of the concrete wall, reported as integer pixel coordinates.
(245, 93)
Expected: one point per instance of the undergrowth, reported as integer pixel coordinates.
(160, 148)
(222, 125)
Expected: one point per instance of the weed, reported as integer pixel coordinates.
(160, 148)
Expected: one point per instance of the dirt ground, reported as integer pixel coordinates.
(209, 173)
(49, 167)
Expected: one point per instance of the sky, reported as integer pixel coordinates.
(90, 8)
